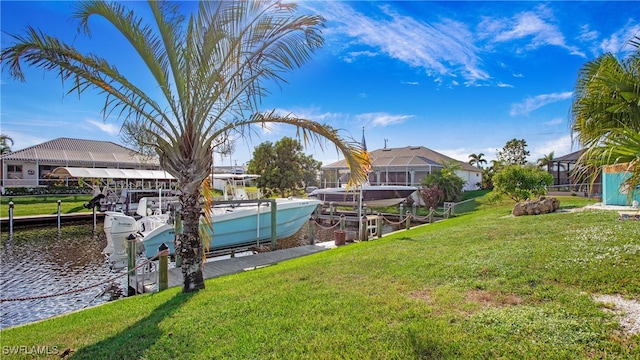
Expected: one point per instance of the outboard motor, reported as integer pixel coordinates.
(119, 228)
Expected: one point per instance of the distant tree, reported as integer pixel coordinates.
(514, 152)
(5, 148)
(447, 180)
(477, 160)
(310, 169)
(487, 178)
(545, 160)
(520, 182)
(282, 166)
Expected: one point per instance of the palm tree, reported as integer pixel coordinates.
(477, 160)
(545, 161)
(5, 148)
(209, 69)
(605, 112)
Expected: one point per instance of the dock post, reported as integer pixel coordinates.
(131, 264)
(364, 234)
(343, 220)
(11, 218)
(331, 213)
(408, 224)
(312, 226)
(379, 226)
(401, 209)
(163, 270)
(59, 215)
(95, 223)
(274, 210)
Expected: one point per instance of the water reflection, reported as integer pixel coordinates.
(43, 261)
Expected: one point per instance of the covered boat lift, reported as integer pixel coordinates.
(126, 195)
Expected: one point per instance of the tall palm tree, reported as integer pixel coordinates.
(605, 112)
(5, 148)
(209, 67)
(477, 160)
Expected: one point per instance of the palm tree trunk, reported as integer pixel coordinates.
(188, 245)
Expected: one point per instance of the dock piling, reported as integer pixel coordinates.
(11, 218)
(59, 214)
(131, 265)
(163, 270)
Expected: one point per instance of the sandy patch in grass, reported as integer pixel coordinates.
(628, 312)
(491, 299)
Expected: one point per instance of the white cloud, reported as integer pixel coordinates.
(531, 104)
(410, 83)
(109, 128)
(533, 26)
(554, 122)
(503, 85)
(442, 48)
(560, 146)
(618, 41)
(586, 34)
(354, 55)
(382, 119)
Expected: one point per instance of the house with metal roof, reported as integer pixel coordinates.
(31, 166)
(402, 166)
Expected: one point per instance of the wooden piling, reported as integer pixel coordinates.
(163, 270)
(408, 221)
(131, 265)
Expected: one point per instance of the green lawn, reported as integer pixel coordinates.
(43, 204)
(484, 285)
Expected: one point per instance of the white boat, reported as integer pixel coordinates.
(373, 196)
(239, 223)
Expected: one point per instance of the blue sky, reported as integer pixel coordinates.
(456, 77)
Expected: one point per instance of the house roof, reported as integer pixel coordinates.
(410, 156)
(79, 151)
(77, 172)
(573, 157)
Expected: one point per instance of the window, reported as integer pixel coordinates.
(14, 168)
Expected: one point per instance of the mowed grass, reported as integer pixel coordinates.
(484, 285)
(43, 205)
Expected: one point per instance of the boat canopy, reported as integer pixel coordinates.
(99, 173)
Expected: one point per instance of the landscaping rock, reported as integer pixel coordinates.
(542, 205)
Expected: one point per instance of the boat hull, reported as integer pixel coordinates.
(372, 196)
(242, 225)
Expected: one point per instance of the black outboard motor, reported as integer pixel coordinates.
(94, 202)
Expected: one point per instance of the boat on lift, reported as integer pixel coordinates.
(236, 221)
(373, 196)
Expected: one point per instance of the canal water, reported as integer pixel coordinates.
(42, 261)
(39, 262)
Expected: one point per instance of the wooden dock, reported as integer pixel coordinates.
(233, 265)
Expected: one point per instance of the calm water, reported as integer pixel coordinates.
(37, 262)
(43, 261)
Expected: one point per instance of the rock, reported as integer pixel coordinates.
(542, 205)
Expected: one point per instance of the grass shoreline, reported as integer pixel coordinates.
(481, 285)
